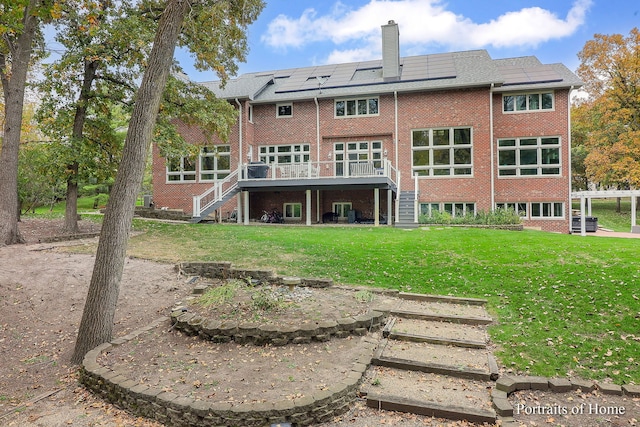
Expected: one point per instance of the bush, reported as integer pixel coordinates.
(495, 217)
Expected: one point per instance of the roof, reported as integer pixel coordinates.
(455, 70)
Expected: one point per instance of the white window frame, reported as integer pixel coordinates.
(285, 153)
(521, 208)
(519, 147)
(453, 208)
(546, 210)
(342, 209)
(217, 152)
(452, 169)
(289, 210)
(183, 175)
(250, 114)
(278, 106)
(524, 102)
(341, 107)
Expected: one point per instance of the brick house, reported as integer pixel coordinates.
(384, 141)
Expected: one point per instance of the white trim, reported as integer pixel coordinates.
(527, 93)
(282, 116)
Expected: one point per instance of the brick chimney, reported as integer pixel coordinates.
(390, 51)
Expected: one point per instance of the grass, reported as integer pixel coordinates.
(565, 304)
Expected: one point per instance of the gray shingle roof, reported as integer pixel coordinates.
(455, 70)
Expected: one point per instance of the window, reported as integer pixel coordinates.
(292, 210)
(342, 209)
(529, 156)
(520, 208)
(181, 169)
(215, 162)
(250, 114)
(442, 152)
(295, 153)
(284, 110)
(547, 210)
(454, 208)
(357, 107)
(516, 103)
(352, 153)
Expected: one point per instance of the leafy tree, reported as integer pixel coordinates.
(21, 43)
(37, 185)
(104, 48)
(610, 120)
(215, 32)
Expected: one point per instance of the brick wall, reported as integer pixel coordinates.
(438, 109)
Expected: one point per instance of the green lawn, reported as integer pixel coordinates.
(565, 304)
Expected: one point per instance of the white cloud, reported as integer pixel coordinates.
(422, 23)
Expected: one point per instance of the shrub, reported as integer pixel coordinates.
(495, 217)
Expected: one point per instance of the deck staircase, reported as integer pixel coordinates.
(406, 214)
(214, 197)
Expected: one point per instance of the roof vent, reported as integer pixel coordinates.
(390, 51)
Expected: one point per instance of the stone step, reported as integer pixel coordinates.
(458, 362)
(429, 394)
(476, 314)
(452, 318)
(445, 333)
(442, 298)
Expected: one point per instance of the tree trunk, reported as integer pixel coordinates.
(13, 86)
(71, 208)
(96, 326)
(618, 208)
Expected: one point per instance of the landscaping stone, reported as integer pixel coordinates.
(560, 385)
(631, 390)
(607, 388)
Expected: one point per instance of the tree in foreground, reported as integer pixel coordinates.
(609, 120)
(215, 33)
(20, 33)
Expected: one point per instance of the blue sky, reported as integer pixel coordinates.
(301, 33)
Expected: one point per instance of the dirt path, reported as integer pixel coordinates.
(42, 293)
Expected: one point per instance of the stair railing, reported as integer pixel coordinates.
(215, 194)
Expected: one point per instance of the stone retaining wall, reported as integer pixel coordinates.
(173, 410)
(225, 270)
(508, 227)
(244, 333)
(509, 384)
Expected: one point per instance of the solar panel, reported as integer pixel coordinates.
(515, 75)
(431, 67)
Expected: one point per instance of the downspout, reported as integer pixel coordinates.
(395, 149)
(240, 202)
(492, 151)
(315, 99)
(240, 130)
(395, 124)
(570, 175)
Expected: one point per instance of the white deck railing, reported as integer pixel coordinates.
(292, 171)
(318, 170)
